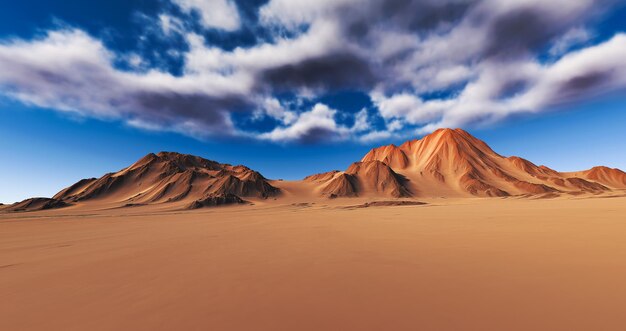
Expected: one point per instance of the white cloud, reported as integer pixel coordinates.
(217, 14)
(77, 75)
(274, 109)
(361, 121)
(581, 75)
(170, 24)
(293, 13)
(375, 136)
(572, 38)
(409, 108)
(317, 124)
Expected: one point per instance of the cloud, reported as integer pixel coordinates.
(580, 75)
(424, 64)
(214, 14)
(315, 125)
(328, 72)
(273, 108)
(575, 36)
(374, 136)
(170, 24)
(77, 75)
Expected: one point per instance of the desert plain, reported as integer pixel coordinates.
(512, 263)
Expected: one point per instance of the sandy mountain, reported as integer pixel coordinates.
(446, 163)
(453, 163)
(391, 155)
(168, 177)
(34, 204)
(366, 178)
(607, 176)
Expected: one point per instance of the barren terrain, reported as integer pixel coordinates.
(450, 264)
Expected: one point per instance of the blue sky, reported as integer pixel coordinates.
(292, 88)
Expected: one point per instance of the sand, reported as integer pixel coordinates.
(467, 264)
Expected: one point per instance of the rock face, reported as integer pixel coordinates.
(450, 163)
(215, 200)
(341, 185)
(378, 178)
(162, 178)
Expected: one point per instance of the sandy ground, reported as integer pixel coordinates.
(474, 264)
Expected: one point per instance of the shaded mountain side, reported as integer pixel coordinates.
(341, 185)
(35, 204)
(215, 200)
(378, 178)
(361, 178)
(391, 155)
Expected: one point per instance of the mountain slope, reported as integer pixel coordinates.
(169, 177)
(34, 204)
(446, 163)
(366, 178)
(607, 176)
(453, 163)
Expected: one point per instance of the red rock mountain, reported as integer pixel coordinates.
(454, 163)
(362, 178)
(446, 163)
(188, 181)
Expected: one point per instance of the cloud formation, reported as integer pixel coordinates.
(424, 64)
(214, 14)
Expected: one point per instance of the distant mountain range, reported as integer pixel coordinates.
(446, 163)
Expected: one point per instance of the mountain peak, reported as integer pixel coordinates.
(455, 144)
(172, 177)
(391, 155)
(452, 161)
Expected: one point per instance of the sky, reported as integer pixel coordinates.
(291, 88)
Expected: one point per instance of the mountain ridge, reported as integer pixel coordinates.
(445, 163)
(452, 162)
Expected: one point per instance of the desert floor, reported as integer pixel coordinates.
(473, 264)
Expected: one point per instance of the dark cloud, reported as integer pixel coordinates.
(509, 88)
(582, 84)
(522, 30)
(317, 135)
(209, 112)
(418, 16)
(332, 71)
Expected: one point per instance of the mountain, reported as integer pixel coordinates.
(446, 163)
(187, 180)
(361, 178)
(608, 176)
(453, 163)
(34, 204)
